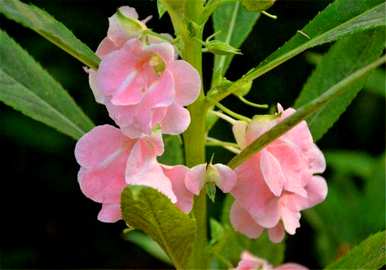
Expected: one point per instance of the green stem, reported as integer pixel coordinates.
(195, 135)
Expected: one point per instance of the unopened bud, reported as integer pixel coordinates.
(244, 88)
(221, 48)
(257, 5)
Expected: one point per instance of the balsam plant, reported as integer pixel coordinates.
(152, 87)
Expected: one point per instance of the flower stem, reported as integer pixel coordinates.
(195, 135)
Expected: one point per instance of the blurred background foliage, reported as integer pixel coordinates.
(48, 223)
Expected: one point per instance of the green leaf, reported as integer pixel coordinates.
(161, 9)
(370, 254)
(28, 88)
(339, 89)
(147, 244)
(343, 58)
(350, 162)
(339, 19)
(44, 24)
(148, 210)
(173, 153)
(376, 83)
(233, 23)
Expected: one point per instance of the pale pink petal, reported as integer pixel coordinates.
(239, 131)
(119, 33)
(187, 82)
(158, 114)
(114, 70)
(253, 194)
(161, 93)
(317, 191)
(130, 91)
(195, 178)
(98, 95)
(100, 146)
(177, 174)
(142, 168)
(269, 214)
(292, 164)
(129, 12)
(228, 178)
(156, 142)
(258, 126)
(316, 160)
(290, 219)
(250, 262)
(105, 47)
(104, 184)
(110, 213)
(272, 172)
(276, 234)
(164, 49)
(291, 266)
(243, 222)
(176, 120)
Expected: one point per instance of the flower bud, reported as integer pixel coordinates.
(221, 48)
(244, 88)
(257, 5)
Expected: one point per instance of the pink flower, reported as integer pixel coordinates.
(250, 262)
(110, 161)
(142, 84)
(275, 184)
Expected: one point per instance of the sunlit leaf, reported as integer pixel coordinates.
(370, 254)
(146, 209)
(232, 23)
(343, 58)
(43, 23)
(28, 88)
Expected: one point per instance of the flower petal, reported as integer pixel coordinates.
(276, 234)
(104, 184)
(239, 131)
(110, 213)
(116, 66)
(228, 177)
(272, 172)
(161, 93)
(100, 146)
(142, 168)
(177, 174)
(164, 49)
(195, 178)
(243, 222)
(187, 82)
(176, 120)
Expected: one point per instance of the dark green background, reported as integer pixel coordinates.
(48, 223)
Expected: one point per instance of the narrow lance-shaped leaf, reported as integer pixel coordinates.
(148, 210)
(305, 111)
(44, 24)
(343, 17)
(343, 58)
(370, 254)
(232, 23)
(28, 88)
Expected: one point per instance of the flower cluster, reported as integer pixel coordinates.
(145, 88)
(250, 262)
(275, 184)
